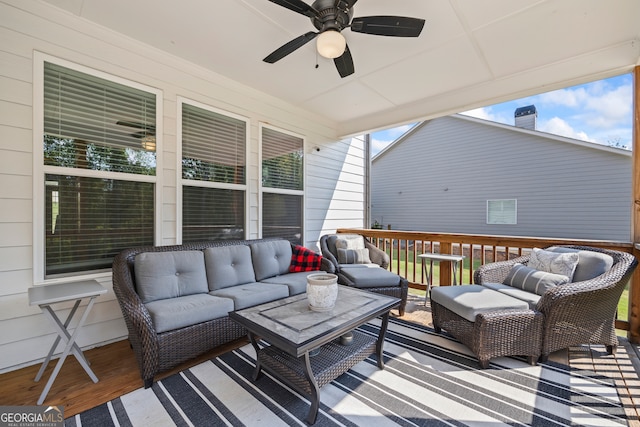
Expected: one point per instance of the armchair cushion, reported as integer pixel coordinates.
(349, 241)
(303, 259)
(554, 262)
(531, 280)
(590, 264)
(353, 256)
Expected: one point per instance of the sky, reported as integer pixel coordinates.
(599, 112)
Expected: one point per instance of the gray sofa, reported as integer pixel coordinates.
(175, 299)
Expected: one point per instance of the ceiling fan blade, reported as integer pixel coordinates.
(136, 125)
(297, 6)
(344, 63)
(287, 48)
(397, 26)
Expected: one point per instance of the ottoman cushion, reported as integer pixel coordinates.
(468, 301)
(371, 277)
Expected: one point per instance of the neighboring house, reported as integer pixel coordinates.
(458, 174)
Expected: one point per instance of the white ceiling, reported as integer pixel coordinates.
(471, 53)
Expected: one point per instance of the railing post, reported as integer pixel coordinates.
(445, 266)
(634, 291)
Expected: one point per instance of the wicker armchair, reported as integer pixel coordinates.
(577, 313)
(378, 257)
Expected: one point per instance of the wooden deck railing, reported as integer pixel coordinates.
(404, 247)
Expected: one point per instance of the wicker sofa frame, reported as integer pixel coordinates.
(157, 352)
(377, 256)
(573, 314)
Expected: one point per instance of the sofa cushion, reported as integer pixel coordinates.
(303, 259)
(175, 313)
(554, 262)
(531, 280)
(297, 282)
(228, 266)
(468, 301)
(528, 297)
(370, 277)
(161, 275)
(590, 264)
(250, 294)
(353, 256)
(270, 258)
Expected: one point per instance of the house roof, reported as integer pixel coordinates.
(470, 53)
(489, 123)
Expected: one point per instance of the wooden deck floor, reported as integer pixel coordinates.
(116, 367)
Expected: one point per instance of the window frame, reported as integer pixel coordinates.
(181, 182)
(262, 189)
(40, 170)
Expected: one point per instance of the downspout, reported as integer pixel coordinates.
(367, 181)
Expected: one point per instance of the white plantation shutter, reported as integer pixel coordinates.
(89, 219)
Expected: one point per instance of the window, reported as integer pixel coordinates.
(98, 170)
(282, 185)
(213, 173)
(502, 211)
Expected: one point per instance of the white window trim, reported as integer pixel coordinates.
(208, 184)
(515, 215)
(262, 189)
(40, 170)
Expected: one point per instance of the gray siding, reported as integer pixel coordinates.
(439, 177)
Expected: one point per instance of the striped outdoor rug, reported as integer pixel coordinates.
(428, 380)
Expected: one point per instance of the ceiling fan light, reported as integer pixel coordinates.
(331, 44)
(148, 143)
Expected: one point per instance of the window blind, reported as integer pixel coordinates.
(282, 160)
(213, 146)
(94, 123)
(212, 213)
(282, 216)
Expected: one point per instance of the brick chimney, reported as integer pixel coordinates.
(525, 117)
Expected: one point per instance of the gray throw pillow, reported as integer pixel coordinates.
(531, 280)
(353, 256)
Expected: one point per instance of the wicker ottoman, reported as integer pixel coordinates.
(490, 323)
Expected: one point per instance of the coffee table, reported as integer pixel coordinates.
(304, 348)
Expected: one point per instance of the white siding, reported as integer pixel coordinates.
(334, 174)
(440, 176)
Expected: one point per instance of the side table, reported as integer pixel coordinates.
(428, 256)
(44, 297)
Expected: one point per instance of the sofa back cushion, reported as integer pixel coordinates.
(162, 275)
(270, 258)
(228, 266)
(590, 264)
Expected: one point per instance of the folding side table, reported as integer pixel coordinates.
(44, 297)
(428, 256)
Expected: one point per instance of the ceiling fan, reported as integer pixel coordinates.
(146, 129)
(330, 17)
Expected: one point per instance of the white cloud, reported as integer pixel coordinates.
(381, 139)
(486, 113)
(558, 126)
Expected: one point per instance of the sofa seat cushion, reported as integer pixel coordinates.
(228, 266)
(161, 275)
(529, 297)
(297, 282)
(251, 294)
(590, 264)
(271, 258)
(176, 313)
(370, 277)
(468, 301)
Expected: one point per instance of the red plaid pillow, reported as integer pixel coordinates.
(304, 259)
